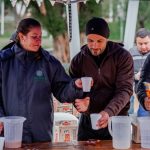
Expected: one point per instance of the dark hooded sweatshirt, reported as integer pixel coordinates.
(113, 83)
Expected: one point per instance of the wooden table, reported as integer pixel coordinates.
(102, 145)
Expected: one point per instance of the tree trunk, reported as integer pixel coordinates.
(43, 9)
(61, 48)
(82, 38)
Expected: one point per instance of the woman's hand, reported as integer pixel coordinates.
(82, 104)
(78, 83)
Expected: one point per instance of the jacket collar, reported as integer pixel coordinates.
(111, 48)
(22, 54)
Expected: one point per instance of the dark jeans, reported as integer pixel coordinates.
(85, 131)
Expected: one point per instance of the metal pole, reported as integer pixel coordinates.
(131, 20)
(2, 17)
(74, 44)
(110, 11)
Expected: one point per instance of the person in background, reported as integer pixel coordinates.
(139, 54)
(142, 95)
(28, 77)
(111, 67)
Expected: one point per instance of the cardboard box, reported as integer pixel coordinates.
(66, 131)
(56, 134)
(65, 127)
(68, 134)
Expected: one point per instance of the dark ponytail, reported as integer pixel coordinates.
(25, 25)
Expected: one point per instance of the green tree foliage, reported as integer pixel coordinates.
(143, 14)
(53, 21)
(7, 4)
(87, 11)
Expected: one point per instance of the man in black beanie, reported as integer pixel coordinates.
(111, 67)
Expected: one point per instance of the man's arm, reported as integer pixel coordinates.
(75, 69)
(124, 84)
(63, 87)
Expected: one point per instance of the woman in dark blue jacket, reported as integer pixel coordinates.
(28, 77)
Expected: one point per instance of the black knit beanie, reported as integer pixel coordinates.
(97, 26)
